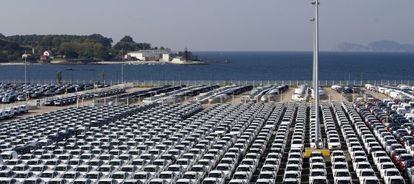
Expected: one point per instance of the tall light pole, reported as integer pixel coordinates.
(25, 73)
(122, 67)
(25, 67)
(315, 68)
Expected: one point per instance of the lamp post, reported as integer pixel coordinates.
(25, 74)
(122, 67)
(315, 68)
(25, 67)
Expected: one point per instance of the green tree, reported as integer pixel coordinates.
(127, 39)
(128, 44)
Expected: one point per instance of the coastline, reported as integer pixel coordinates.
(17, 63)
(105, 63)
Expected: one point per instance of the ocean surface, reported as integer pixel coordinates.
(242, 66)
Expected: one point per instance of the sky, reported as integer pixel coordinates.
(216, 25)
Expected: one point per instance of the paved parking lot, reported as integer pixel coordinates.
(220, 143)
(332, 95)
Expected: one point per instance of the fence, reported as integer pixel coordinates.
(237, 82)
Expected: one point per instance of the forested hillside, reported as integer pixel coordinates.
(84, 47)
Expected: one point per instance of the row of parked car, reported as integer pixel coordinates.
(395, 139)
(370, 161)
(138, 147)
(243, 156)
(163, 144)
(222, 94)
(142, 94)
(332, 134)
(11, 92)
(10, 112)
(359, 157)
(63, 101)
(271, 164)
(226, 143)
(179, 95)
(293, 168)
(318, 170)
(28, 134)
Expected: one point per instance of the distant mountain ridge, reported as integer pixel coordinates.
(377, 46)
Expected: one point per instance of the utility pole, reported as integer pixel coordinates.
(315, 68)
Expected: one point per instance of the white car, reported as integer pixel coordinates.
(265, 181)
(342, 181)
(334, 143)
(385, 166)
(363, 173)
(342, 175)
(317, 174)
(318, 180)
(292, 176)
(369, 180)
(339, 167)
(394, 180)
(389, 173)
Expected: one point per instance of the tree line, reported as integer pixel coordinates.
(77, 47)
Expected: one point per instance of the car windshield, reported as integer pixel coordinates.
(375, 182)
(21, 175)
(69, 175)
(393, 173)
(317, 173)
(93, 176)
(291, 175)
(165, 176)
(215, 175)
(182, 162)
(340, 166)
(367, 173)
(266, 176)
(150, 169)
(209, 182)
(406, 157)
(321, 181)
(189, 176)
(397, 181)
(342, 174)
(238, 176)
(104, 169)
(318, 166)
(364, 166)
(223, 167)
(38, 169)
(47, 175)
(105, 182)
(118, 176)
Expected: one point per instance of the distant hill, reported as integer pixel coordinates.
(377, 46)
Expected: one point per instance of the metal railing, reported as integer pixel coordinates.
(236, 82)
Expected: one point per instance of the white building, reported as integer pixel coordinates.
(147, 55)
(178, 60)
(165, 58)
